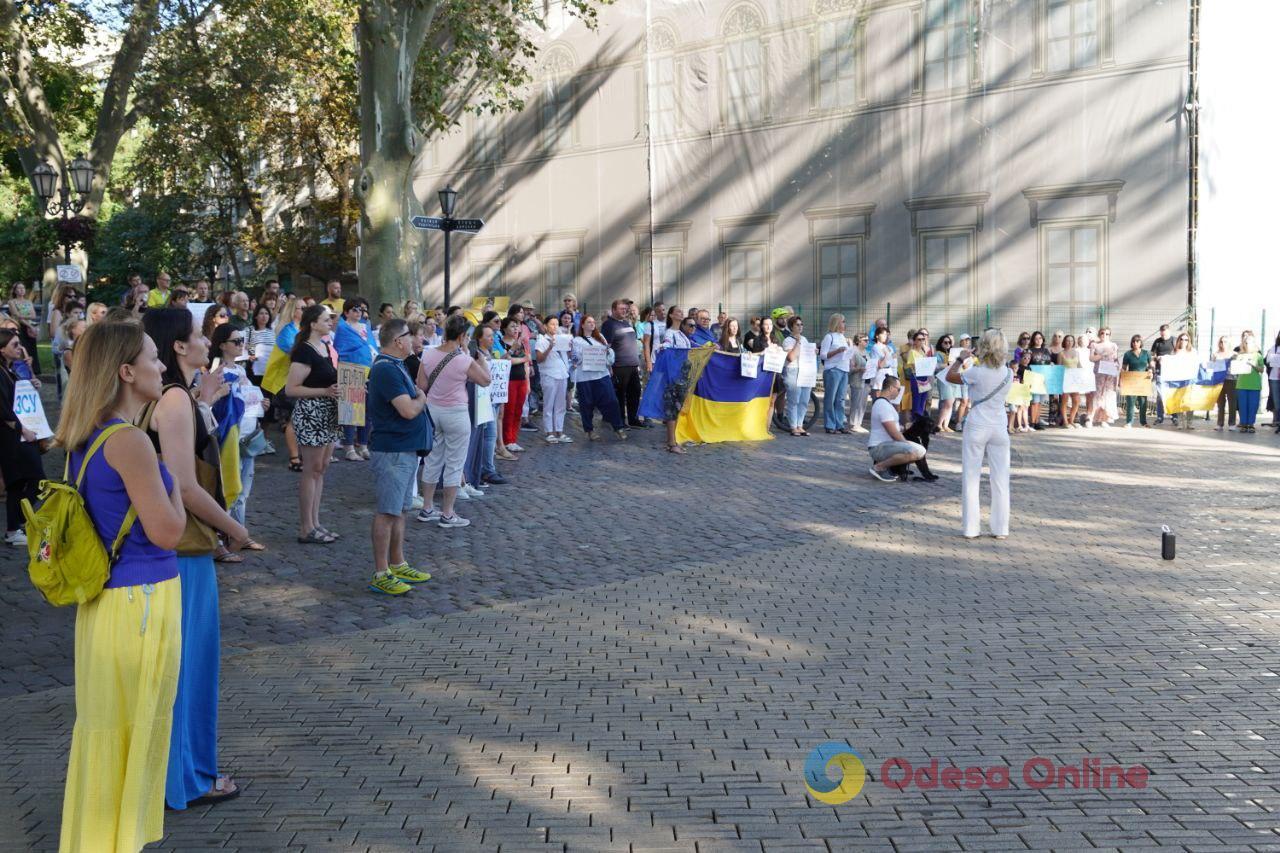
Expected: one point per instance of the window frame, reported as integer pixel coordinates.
(859, 242)
(673, 293)
(944, 314)
(727, 250)
(856, 33)
(551, 292)
(969, 54)
(1102, 265)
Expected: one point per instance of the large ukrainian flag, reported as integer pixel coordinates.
(1194, 395)
(722, 404)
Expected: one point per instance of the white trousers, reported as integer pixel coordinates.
(993, 443)
(554, 394)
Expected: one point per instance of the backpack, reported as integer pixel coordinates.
(68, 562)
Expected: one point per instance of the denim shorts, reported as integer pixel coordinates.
(393, 474)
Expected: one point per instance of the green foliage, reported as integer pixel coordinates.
(155, 234)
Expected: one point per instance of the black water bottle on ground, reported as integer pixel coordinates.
(1168, 543)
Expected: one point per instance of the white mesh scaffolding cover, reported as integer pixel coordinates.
(943, 161)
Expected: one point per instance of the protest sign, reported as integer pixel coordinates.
(775, 358)
(197, 310)
(1078, 380)
(1109, 368)
(1053, 374)
(29, 409)
(1019, 394)
(807, 372)
(1135, 384)
(750, 365)
(1179, 368)
(595, 358)
(925, 367)
(351, 393)
(500, 379)
(1036, 381)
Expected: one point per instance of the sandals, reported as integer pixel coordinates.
(317, 537)
(675, 448)
(223, 790)
(295, 464)
(253, 546)
(228, 557)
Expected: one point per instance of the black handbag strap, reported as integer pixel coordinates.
(444, 362)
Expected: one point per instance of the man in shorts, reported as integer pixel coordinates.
(886, 444)
(397, 416)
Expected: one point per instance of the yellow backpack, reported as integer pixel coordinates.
(68, 562)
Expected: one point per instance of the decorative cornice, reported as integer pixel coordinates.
(977, 201)
(844, 211)
(752, 220)
(1051, 192)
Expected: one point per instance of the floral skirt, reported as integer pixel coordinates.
(315, 421)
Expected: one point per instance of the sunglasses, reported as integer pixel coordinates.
(237, 341)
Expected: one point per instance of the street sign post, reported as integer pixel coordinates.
(448, 225)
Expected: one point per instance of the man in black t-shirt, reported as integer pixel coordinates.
(1162, 345)
(621, 336)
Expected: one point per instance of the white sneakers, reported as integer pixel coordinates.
(16, 538)
(514, 448)
(559, 439)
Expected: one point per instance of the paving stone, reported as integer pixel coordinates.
(658, 682)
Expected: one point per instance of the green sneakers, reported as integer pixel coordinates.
(397, 579)
(409, 574)
(388, 584)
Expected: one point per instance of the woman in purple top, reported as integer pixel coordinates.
(128, 639)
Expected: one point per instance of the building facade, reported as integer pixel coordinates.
(951, 163)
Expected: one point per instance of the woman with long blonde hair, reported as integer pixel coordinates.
(986, 434)
(129, 639)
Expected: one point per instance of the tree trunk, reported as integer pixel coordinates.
(391, 34)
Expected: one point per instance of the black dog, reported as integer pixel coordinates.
(920, 430)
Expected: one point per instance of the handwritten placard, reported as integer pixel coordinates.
(30, 410)
(1036, 381)
(1135, 384)
(595, 358)
(351, 393)
(1019, 394)
(1052, 374)
(499, 380)
(807, 365)
(1108, 368)
(774, 359)
(1078, 380)
(750, 365)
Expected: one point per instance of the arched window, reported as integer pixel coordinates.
(557, 98)
(663, 115)
(744, 71)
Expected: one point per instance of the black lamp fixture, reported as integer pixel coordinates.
(46, 181)
(81, 175)
(448, 196)
(55, 194)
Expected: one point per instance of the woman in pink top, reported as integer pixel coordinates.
(443, 377)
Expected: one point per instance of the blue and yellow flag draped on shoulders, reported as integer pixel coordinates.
(228, 411)
(720, 404)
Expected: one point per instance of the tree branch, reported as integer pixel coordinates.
(111, 123)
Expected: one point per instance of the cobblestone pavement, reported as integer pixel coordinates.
(630, 650)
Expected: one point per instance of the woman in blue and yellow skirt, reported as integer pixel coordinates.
(179, 429)
(128, 639)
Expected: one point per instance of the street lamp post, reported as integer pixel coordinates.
(448, 225)
(79, 175)
(448, 196)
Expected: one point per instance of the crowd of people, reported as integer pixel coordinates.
(154, 397)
